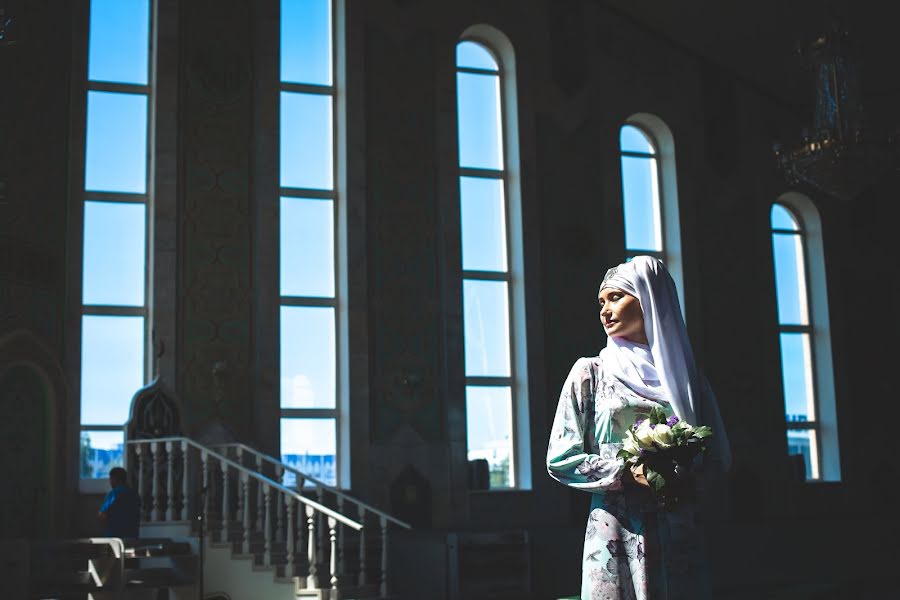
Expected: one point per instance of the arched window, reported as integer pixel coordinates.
(493, 301)
(116, 198)
(806, 367)
(650, 193)
(310, 271)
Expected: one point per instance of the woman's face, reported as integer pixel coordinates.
(621, 315)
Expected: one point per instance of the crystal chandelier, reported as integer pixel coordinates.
(7, 29)
(838, 157)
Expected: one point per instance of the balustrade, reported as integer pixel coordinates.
(252, 506)
(184, 480)
(245, 533)
(170, 484)
(289, 545)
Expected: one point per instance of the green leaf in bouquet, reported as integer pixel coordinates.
(656, 481)
(680, 428)
(703, 431)
(624, 454)
(657, 415)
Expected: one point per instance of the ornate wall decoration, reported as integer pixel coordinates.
(404, 291)
(215, 261)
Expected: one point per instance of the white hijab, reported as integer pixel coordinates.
(665, 368)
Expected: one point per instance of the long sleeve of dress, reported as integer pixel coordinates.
(569, 459)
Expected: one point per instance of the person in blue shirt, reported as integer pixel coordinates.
(121, 509)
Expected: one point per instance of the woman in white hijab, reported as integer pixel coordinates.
(632, 550)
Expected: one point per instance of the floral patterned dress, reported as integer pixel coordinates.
(632, 551)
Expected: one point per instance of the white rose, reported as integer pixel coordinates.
(644, 435)
(662, 435)
(631, 446)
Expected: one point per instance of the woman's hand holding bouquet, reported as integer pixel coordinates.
(659, 450)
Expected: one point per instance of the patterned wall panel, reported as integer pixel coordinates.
(215, 264)
(405, 324)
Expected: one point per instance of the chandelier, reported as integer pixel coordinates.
(838, 156)
(7, 29)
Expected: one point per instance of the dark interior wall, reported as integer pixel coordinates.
(581, 71)
(35, 72)
(216, 241)
(34, 145)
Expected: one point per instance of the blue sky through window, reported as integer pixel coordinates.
(310, 446)
(307, 357)
(306, 41)
(483, 215)
(790, 283)
(119, 41)
(114, 235)
(308, 436)
(480, 127)
(307, 247)
(640, 192)
(486, 324)
(103, 452)
(783, 219)
(632, 139)
(105, 440)
(306, 141)
(795, 369)
(474, 56)
(489, 421)
(116, 155)
(112, 367)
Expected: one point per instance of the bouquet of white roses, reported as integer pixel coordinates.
(661, 449)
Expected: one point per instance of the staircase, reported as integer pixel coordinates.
(258, 537)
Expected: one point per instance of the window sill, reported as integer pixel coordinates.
(93, 486)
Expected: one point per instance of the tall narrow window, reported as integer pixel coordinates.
(308, 217)
(115, 209)
(640, 192)
(805, 349)
(650, 193)
(491, 269)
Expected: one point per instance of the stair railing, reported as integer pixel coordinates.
(109, 571)
(325, 493)
(165, 474)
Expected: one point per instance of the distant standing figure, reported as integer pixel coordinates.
(121, 509)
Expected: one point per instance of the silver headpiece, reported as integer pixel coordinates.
(609, 274)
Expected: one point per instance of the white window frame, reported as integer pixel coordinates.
(499, 46)
(825, 423)
(337, 195)
(663, 143)
(96, 485)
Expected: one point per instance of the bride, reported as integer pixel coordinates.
(632, 549)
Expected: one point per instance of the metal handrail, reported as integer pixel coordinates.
(317, 483)
(258, 476)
